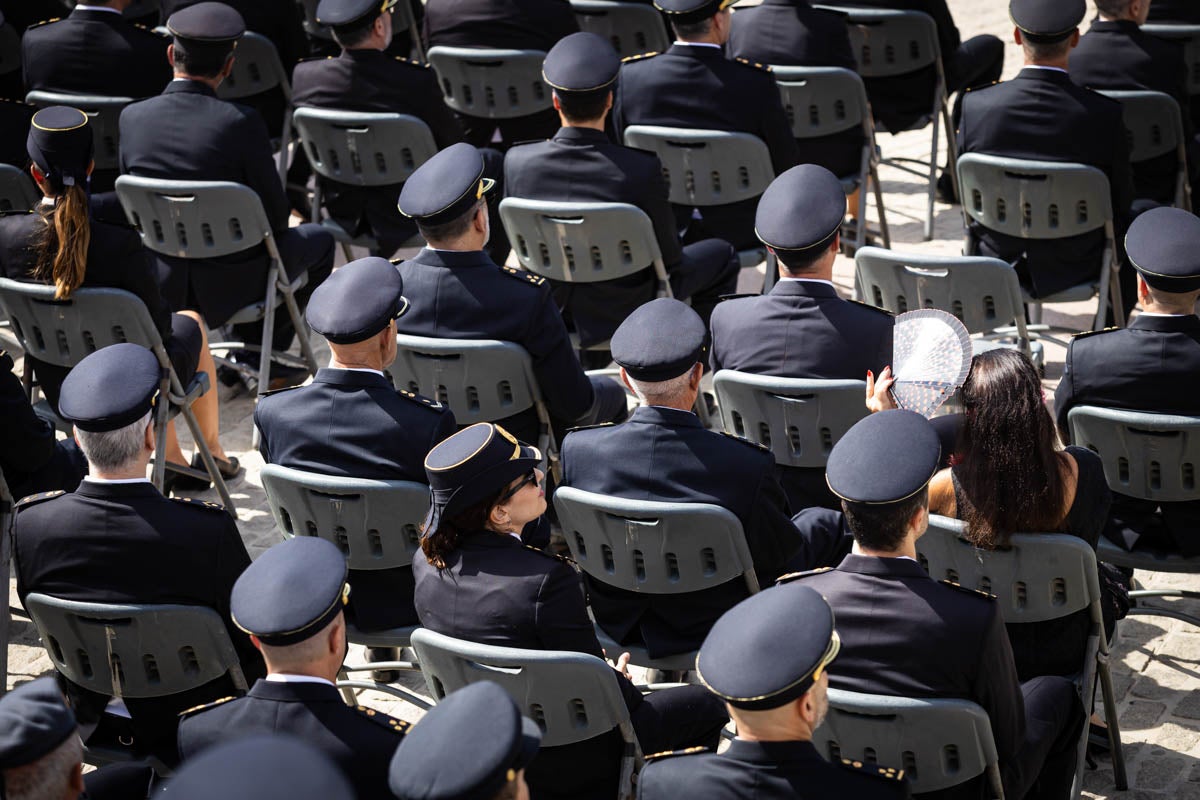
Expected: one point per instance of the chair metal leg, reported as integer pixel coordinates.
(210, 463)
(883, 224)
(159, 474)
(933, 164)
(347, 252)
(301, 327)
(285, 139)
(1114, 729)
(268, 335)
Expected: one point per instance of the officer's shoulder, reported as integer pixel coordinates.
(200, 709)
(795, 576)
(151, 31)
(745, 441)
(554, 556)
(872, 770)
(44, 23)
(409, 62)
(397, 726)
(1090, 334)
(965, 590)
(41, 497)
(752, 64)
(421, 400)
(744, 296)
(578, 428)
(977, 90)
(881, 311)
(199, 504)
(15, 213)
(666, 754)
(315, 59)
(523, 276)
(640, 57)
(273, 392)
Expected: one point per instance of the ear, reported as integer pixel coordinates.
(91, 168)
(149, 437)
(608, 104)
(696, 375)
(836, 245)
(76, 780)
(171, 54)
(254, 640)
(625, 380)
(228, 68)
(554, 99)
(1075, 39)
(1017, 37)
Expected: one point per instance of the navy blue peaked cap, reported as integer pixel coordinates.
(1163, 245)
(446, 186)
(886, 457)
(731, 661)
(339, 13)
(207, 23)
(110, 388)
(581, 62)
(688, 11)
(60, 142)
(660, 340)
(257, 767)
(34, 720)
(467, 747)
(476, 462)
(290, 592)
(1047, 20)
(357, 301)
(801, 210)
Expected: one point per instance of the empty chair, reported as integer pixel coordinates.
(1154, 123)
(104, 114)
(632, 28)
(494, 84)
(17, 190)
(1041, 200)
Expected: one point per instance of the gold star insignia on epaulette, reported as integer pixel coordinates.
(590, 427)
(967, 589)
(522, 275)
(685, 752)
(639, 56)
(1082, 334)
(205, 706)
(749, 63)
(44, 22)
(791, 576)
(201, 503)
(37, 498)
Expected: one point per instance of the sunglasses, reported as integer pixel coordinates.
(530, 478)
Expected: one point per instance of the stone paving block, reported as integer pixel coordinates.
(1159, 773)
(1140, 715)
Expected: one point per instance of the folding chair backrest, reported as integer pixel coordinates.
(1033, 199)
(256, 69)
(63, 332)
(104, 114)
(494, 84)
(134, 650)
(1153, 122)
(889, 42)
(1147, 456)
(480, 380)
(1189, 37)
(10, 49)
(706, 168)
(820, 101)
(376, 524)
(984, 293)
(571, 696)
(17, 190)
(799, 419)
(193, 219)
(580, 242)
(362, 149)
(938, 743)
(632, 28)
(1037, 577)
(653, 547)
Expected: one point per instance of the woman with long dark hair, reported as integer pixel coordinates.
(1010, 475)
(60, 244)
(479, 582)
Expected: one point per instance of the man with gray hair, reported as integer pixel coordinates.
(116, 539)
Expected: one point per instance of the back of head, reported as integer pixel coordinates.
(1049, 28)
(205, 35)
(60, 146)
(692, 20)
(581, 69)
(661, 369)
(445, 194)
(352, 21)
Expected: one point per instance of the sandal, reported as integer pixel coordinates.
(228, 469)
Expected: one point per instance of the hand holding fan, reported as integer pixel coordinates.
(931, 356)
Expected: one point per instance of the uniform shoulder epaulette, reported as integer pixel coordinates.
(522, 275)
(200, 503)
(591, 427)
(187, 712)
(746, 441)
(419, 399)
(961, 588)
(383, 720)
(44, 22)
(725, 297)
(795, 576)
(981, 86)
(1085, 334)
(639, 56)
(14, 212)
(565, 559)
(270, 392)
(872, 307)
(148, 29)
(688, 751)
(754, 64)
(34, 499)
(313, 58)
(873, 770)
(412, 62)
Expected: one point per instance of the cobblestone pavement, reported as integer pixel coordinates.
(1156, 661)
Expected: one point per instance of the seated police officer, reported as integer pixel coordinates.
(258, 767)
(905, 634)
(351, 422)
(429, 763)
(32, 460)
(118, 540)
(458, 292)
(1041, 115)
(776, 702)
(1142, 367)
(801, 328)
(41, 757)
(693, 85)
(290, 601)
(664, 453)
(187, 133)
(581, 164)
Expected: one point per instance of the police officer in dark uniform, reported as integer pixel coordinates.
(801, 328)
(258, 767)
(429, 763)
(1116, 54)
(458, 292)
(118, 540)
(351, 422)
(290, 601)
(1042, 115)
(1144, 367)
(776, 703)
(693, 85)
(31, 459)
(581, 164)
(187, 133)
(663, 453)
(904, 634)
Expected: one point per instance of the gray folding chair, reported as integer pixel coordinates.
(937, 743)
(10, 49)
(821, 101)
(1154, 123)
(210, 219)
(361, 149)
(481, 380)
(63, 332)
(653, 548)
(799, 419)
(104, 114)
(708, 168)
(257, 69)
(7, 516)
(493, 84)
(571, 696)
(1152, 457)
(1038, 577)
(632, 28)
(1043, 200)
(984, 293)
(1189, 37)
(888, 43)
(375, 523)
(17, 190)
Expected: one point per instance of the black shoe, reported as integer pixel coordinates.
(945, 189)
(283, 376)
(182, 482)
(384, 654)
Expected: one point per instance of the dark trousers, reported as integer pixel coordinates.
(1054, 720)
(709, 269)
(481, 131)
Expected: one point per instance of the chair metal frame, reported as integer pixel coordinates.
(17, 190)
(631, 28)
(513, 87)
(104, 114)
(257, 68)
(1154, 123)
(63, 332)
(571, 696)
(989, 183)
(835, 100)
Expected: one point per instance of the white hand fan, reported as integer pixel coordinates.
(931, 356)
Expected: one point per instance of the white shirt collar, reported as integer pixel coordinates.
(361, 369)
(809, 280)
(1039, 66)
(1156, 314)
(94, 479)
(276, 677)
(696, 44)
(82, 7)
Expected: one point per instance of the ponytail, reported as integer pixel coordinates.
(63, 245)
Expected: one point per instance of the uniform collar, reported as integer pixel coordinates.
(882, 567)
(804, 289)
(351, 377)
(103, 13)
(772, 752)
(660, 415)
(117, 490)
(294, 691)
(279, 677)
(487, 538)
(453, 258)
(1048, 74)
(1183, 323)
(572, 135)
(364, 54)
(705, 51)
(1116, 25)
(188, 86)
